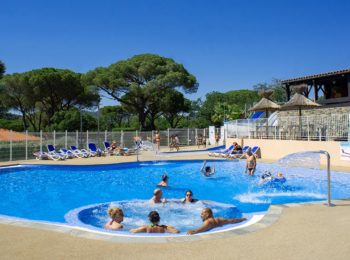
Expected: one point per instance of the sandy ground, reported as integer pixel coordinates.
(302, 232)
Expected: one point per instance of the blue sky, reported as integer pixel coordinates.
(226, 44)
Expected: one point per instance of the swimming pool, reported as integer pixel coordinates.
(65, 194)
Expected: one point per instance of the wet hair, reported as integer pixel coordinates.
(207, 168)
(188, 191)
(156, 191)
(154, 217)
(115, 212)
(164, 177)
(209, 212)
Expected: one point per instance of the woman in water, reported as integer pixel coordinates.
(189, 197)
(154, 227)
(206, 170)
(117, 216)
(164, 182)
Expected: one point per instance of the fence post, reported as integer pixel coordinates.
(41, 141)
(65, 139)
(275, 132)
(168, 137)
(77, 138)
(54, 138)
(10, 145)
(105, 135)
(121, 138)
(26, 144)
(236, 128)
(308, 128)
(87, 139)
(188, 136)
(196, 133)
(152, 136)
(248, 129)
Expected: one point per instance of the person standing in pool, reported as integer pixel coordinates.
(164, 182)
(157, 197)
(251, 163)
(210, 222)
(117, 217)
(189, 197)
(154, 227)
(207, 170)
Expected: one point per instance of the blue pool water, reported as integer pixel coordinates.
(48, 193)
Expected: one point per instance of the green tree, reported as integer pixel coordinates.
(114, 117)
(135, 81)
(225, 111)
(2, 69)
(70, 120)
(279, 92)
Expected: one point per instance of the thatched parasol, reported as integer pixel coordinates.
(265, 104)
(299, 101)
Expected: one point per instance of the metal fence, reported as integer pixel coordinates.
(317, 128)
(22, 148)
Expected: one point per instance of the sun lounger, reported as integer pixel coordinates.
(51, 150)
(239, 155)
(68, 153)
(94, 151)
(221, 152)
(79, 153)
(47, 156)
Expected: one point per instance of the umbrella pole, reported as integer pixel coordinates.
(267, 123)
(300, 127)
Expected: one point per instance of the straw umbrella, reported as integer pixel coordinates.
(299, 101)
(265, 104)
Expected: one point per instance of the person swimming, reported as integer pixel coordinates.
(189, 197)
(154, 227)
(117, 216)
(164, 182)
(207, 170)
(268, 179)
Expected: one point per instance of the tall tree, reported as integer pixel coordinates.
(134, 81)
(279, 92)
(2, 69)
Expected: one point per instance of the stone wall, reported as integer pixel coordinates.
(316, 111)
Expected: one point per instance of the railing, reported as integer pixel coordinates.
(21, 147)
(310, 128)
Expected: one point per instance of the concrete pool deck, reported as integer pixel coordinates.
(311, 231)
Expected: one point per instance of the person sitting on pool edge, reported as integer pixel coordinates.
(157, 196)
(210, 222)
(164, 182)
(206, 170)
(189, 197)
(117, 216)
(154, 227)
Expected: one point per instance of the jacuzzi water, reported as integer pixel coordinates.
(80, 195)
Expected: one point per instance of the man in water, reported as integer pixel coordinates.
(251, 163)
(206, 170)
(157, 196)
(210, 222)
(154, 227)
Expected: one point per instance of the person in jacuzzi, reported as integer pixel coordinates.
(207, 170)
(164, 182)
(157, 197)
(154, 227)
(189, 197)
(117, 216)
(210, 222)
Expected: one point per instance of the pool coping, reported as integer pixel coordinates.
(271, 217)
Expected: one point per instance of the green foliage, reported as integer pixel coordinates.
(39, 94)
(114, 117)
(279, 93)
(70, 120)
(137, 82)
(2, 69)
(14, 124)
(235, 101)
